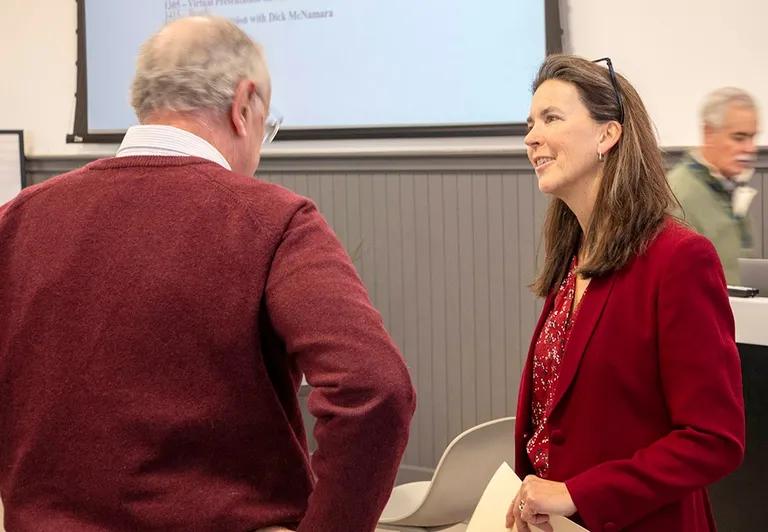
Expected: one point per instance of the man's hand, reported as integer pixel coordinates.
(536, 501)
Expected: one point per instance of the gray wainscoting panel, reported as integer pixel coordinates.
(758, 212)
(447, 247)
(446, 257)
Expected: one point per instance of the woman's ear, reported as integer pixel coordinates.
(609, 137)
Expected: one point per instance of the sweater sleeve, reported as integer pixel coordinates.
(701, 380)
(361, 395)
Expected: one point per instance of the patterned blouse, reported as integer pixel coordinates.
(547, 357)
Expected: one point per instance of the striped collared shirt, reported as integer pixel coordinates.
(168, 141)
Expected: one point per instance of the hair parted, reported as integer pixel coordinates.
(634, 195)
(717, 102)
(198, 71)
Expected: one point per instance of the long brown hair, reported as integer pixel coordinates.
(633, 195)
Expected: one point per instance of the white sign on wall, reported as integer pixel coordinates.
(11, 164)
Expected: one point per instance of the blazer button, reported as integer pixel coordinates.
(610, 527)
(557, 437)
(526, 436)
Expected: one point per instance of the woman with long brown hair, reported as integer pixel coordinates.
(630, 402)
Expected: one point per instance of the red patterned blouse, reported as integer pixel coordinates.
(547, 356)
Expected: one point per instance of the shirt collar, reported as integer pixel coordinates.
(168, 141)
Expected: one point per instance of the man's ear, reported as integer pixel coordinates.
(241, 106)
(609, 137)
(708, 132)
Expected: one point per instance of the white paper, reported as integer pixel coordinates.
(491, 512)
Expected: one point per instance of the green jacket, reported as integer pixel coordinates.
(707, 207)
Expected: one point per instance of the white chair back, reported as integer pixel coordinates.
(462, 474)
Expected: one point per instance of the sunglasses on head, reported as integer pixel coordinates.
(615, 84)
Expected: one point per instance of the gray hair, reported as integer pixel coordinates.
(195, 64)
(718, 101)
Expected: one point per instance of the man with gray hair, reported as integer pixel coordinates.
(159, 310)
(711, 182)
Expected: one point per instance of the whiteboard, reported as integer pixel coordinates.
(343, 63)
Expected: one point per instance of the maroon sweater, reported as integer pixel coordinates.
(157, 314)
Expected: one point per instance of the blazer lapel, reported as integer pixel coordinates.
(589, 313)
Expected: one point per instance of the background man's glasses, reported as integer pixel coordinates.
(272, 125)
(615, 84)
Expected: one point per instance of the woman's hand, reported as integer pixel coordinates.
(536, 501)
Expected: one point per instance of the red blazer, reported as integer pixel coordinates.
(649, 407)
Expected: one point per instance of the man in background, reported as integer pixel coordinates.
(159, 310)
(711, 183)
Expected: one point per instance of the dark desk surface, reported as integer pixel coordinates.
(740, 501)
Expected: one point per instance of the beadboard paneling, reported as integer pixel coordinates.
(447, 247)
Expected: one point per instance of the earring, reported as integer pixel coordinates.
(599, 156)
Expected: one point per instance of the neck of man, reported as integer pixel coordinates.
(205, 125)
(706, 157)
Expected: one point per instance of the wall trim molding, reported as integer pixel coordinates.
(40, 168)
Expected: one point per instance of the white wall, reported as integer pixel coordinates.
(37, 87)
(674, 51)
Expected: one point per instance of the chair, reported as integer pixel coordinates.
(460, 478)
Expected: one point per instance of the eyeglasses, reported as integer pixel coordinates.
(272, 125)
(615, 84)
